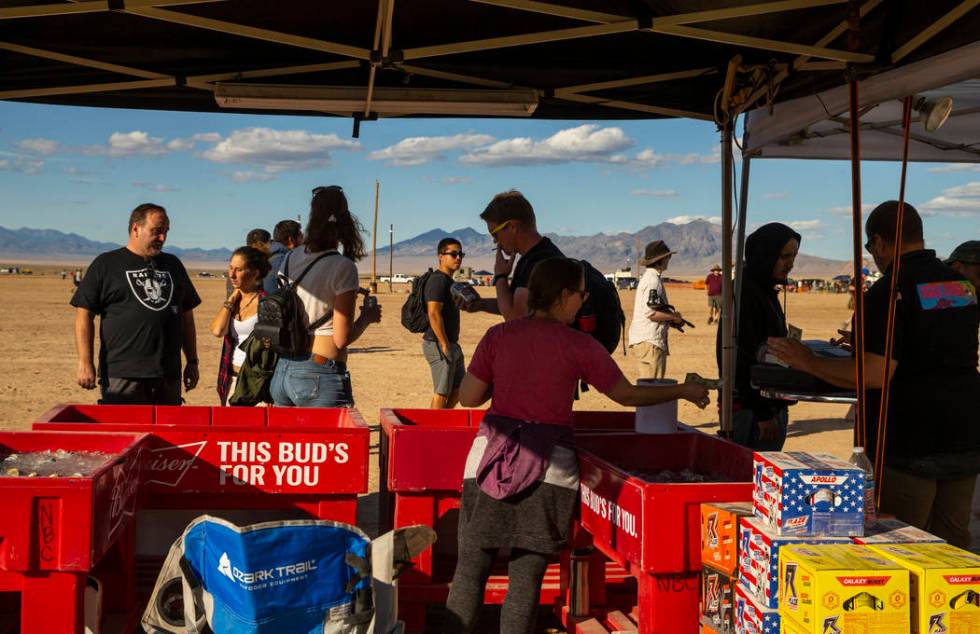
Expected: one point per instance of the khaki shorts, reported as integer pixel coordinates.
(714, 301)
(651, 360)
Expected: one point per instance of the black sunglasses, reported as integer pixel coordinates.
(454, 254)
(317, 190)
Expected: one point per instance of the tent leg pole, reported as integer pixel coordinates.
(727, 350)
(743, 207)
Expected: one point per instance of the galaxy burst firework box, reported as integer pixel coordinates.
(752, 618)
(945, 586)
(759, 549)
(842, 589)
(797, 493)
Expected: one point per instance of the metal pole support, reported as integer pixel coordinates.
(727, 323)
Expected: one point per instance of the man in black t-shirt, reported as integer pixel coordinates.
(144, 300)
(440, 343)
(512, 225)
(932, 430)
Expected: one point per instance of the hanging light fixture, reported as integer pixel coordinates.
(934, 112)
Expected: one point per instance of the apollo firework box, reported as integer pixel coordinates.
(720, 534)
(797, 493)
(716, 600)
(842, 589)
(759, 558)
(945, 586)
(750, 617)
(892, 531)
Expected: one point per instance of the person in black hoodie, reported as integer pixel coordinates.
(770, 251)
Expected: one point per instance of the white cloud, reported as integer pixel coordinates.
(277, 150)
(420, 150)
(180, 145)
(135, 143)
(955, 167)
(39, 146)
(775, 196)
(686, 219)
(846, 210)
(656, 193)
(154, 187)
(805, 225)
(649, 158)
(208, 137)
(962, 200)
(585, 143)
(251, 177)
(457, 180)
(22, 164)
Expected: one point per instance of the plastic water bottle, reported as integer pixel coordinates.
(860, 459)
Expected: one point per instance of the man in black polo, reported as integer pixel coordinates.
(513, 227)
(932, 432)
(145, 303)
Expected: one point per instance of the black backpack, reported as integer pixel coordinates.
(603, 303)
(415, 314)
(280, 321)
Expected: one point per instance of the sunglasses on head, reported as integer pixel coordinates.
(317, 190)
(454, 254)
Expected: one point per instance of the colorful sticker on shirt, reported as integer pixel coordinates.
(949, 294)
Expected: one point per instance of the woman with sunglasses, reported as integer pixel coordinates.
(520, 482)
(327, 293)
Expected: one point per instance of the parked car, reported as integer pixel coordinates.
(398, 278)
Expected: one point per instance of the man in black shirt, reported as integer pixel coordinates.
(932, 431)
(512, 225)
(440, 343)
(144, 300)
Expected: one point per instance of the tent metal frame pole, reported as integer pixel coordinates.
(933, 29)
(727, 349)
(743, 212)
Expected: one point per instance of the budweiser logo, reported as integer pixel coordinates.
(863, 581)
(125, 484)
(169, 465)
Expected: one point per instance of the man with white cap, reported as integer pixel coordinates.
(651, 315)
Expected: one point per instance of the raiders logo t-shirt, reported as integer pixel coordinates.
(139, 302)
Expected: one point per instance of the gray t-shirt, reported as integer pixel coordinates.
(437, 290)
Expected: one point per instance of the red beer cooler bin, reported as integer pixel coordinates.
(54, 531)
(247, 464)
(423, 453)
(653, 529)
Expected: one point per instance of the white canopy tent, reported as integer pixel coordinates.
(817, 126)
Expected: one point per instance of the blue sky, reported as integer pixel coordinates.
(82, 169)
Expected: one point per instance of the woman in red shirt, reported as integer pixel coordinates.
(520, 483)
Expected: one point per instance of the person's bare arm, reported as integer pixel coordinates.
(625, 393)
(515, 306)
(473, 392)
(219, 325)
(85, 345)
(839, 372)
(343, 319)
(664, 315)
(188, 331)
(434, 310)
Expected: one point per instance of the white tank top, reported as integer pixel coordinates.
(240, 330)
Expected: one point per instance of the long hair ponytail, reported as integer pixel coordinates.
(332, 225)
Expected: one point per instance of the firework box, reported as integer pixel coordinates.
(797, 493)
(716, 599)
(945, 586)
(750, 617)
(720, 534)
(842, 589)
(892, 531)
(759, 558)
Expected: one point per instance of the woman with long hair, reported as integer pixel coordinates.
(520, 482)
(319, 377)
(237, 316)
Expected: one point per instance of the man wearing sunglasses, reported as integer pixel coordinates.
(440, 343)
(512, 225)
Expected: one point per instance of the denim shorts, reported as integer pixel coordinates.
(301, 382)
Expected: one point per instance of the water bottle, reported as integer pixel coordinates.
(860, 459)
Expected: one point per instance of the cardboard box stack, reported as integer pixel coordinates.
(719, 562)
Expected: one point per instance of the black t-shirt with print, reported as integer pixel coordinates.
(932, 426)
(522, 270)
(139, 302)
(437, 290)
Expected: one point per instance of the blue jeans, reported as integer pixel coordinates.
(301, 382)
(745, 429)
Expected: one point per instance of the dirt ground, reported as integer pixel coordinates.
(386, 363)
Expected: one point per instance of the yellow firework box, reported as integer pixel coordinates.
(842, 589)
(945, 586)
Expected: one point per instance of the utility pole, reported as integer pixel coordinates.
(391, 254)
(636, 249)
(374, 236)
